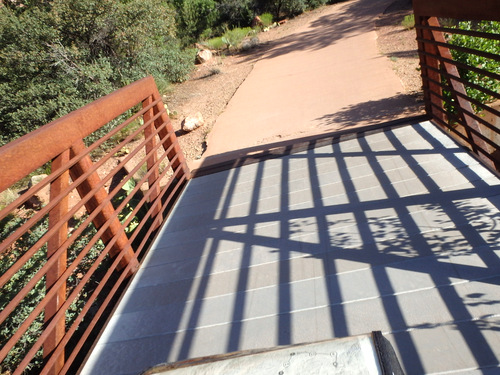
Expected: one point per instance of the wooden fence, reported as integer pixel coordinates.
(460, 64)
(71, 241)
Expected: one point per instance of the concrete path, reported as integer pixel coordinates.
(396, 231)
(327, 76)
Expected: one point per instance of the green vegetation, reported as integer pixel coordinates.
(215, 43)
(26, 273)
(267, 19)
(311, 4)
(7, 197)
(408, 21)
(16, 283)
(291, 8)
(57, 56)
(233, 38)
(194, 17)
(489, 65)
(235, 13)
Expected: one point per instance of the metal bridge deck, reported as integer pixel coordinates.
(397, 231)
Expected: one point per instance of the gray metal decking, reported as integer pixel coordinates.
(397, 231)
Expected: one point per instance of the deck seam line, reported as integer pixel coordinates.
(388, 265)
(343, 303)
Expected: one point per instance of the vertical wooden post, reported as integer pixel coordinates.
(166, 135)
(429, 87)
(150, 146)
(55, 272)
(113, 230)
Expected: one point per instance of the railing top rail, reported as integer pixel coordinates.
(459, 9)
(48, 141)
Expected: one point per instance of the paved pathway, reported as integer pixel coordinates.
(327, 76)
(396, 231)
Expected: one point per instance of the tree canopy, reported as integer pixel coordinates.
(57, 56)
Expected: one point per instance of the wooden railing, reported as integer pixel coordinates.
(71, 241)
(448, 93)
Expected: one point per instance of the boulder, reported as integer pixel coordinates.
(42, 197)
(249, 43)
(7, 197)
(192, 122)
(36, 179)
(203, 56)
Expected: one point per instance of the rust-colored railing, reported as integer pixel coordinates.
(473, 118)
(71, 241)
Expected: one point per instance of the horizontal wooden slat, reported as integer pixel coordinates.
(463, 66)
(45, 143)
(484, 90)
(461, 49)
(483, 153)
(459, 9)
(474, 115)
(448, 30)
(457, 120)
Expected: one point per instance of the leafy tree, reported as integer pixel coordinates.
(235, 13)
(294, 7)
(194, 17)
(57, 56)
(282, 8)
(312, 4)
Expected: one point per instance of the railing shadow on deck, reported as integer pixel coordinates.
(230, 252)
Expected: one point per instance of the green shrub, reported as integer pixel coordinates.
(408, 21)
(10, 326)
(481, 44)
(233, 38)
(267, 19)
(287, 8)
(7, 197)
(14, 285)
(215, 43)
(294, 7)
(208, 33)
(55, 59)
(313, 4)
(281, 8)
